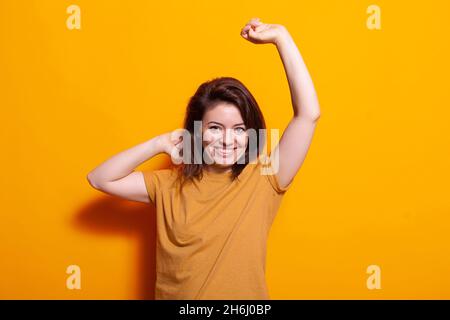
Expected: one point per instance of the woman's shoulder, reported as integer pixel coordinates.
(266, 169)
(163, 175)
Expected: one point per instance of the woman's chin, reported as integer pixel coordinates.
(224, 161)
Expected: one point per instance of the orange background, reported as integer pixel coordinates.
(373, 189)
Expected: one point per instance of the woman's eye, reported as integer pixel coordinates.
(214, 128)
(240, 130)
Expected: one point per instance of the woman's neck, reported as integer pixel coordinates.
(216, 169)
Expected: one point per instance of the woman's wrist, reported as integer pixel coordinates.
(157, 145)
(283, 37)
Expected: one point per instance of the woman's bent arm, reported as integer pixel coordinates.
(116, 175)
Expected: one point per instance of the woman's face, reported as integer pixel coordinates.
(224, 134)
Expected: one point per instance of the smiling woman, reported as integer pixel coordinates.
(230, 149)
(226, 109)
(213, 217)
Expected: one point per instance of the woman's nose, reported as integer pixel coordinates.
(227, 138)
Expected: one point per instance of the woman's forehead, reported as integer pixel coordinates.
(225, 114)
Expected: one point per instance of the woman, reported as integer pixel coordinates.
(214, 215)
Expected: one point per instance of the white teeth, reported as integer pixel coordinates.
(225, 152)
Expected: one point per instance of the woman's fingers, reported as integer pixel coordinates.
(261, 27)
(177, 134)
(247, 28)
(251, 24)
(252, 30)
(254, 22)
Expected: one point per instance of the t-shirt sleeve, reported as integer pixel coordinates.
(157, 182)
(268, 170)
(273, 179)
(151, 183)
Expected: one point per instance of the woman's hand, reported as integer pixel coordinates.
(172, 144)
(257, 32)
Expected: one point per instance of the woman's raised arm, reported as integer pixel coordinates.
(296, 139)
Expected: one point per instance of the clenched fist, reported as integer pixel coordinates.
(257, 32)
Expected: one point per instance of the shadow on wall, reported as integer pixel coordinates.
(112, 215)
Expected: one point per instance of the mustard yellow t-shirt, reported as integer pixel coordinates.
(211, 236)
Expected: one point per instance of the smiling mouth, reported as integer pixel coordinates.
(225, 152)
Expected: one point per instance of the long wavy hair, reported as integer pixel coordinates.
(208, 95)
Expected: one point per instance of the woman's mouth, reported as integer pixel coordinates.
(225, 152)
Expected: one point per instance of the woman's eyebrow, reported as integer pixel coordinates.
(223, 125)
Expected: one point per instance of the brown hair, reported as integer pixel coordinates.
(208, 95)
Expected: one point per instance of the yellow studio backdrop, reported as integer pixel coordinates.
(373, 190)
